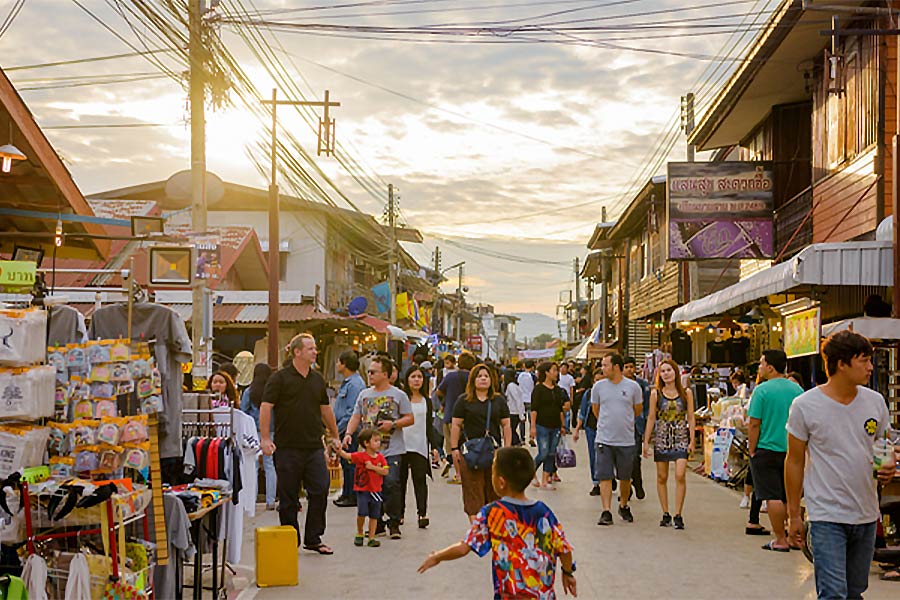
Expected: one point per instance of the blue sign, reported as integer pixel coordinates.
(382, 293)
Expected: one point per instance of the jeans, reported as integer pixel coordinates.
(307, 467)
(547, 439)
(420, 467)
(349, 472)
(591, 436)
(271, 478)
(390, 490)
(842, 555)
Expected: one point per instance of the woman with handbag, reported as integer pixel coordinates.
(547, 421)
(480, 423)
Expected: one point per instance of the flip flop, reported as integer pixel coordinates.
(321, 549)
(756, 531)
(769, 546)
(890, 576)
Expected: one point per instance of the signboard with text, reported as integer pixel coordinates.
(802, 332)
(473, 343)
(720, 210)
(17, 274)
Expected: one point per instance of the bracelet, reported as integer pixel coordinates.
(567, 573)
(454, 449)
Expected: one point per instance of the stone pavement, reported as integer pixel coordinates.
(711, 558)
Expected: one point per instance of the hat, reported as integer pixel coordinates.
(426, 364)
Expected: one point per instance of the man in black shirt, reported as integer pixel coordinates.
(297, 393)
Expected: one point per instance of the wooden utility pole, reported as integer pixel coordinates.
(436, 303)
(392, 241)
(197, 94)
(326, 147)
(687, 121)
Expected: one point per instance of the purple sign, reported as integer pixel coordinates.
(720, 210)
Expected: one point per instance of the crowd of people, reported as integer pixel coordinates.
(495, 430)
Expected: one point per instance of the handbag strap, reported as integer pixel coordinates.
(487, 426)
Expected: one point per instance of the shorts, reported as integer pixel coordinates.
(368, 504)
(614, 462)
(767, 467)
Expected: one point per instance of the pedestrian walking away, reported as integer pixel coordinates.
(838, 424)
(480, 412)
(547, 422)
(670, 427)
(297, 395)
(352, 384)
(640, 425)
(616, 401)
(517, 415)
(418, 439)
(251, 400)
(387, 409)
(527, 380)
(524, 537)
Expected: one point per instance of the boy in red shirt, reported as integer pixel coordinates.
(371, 468)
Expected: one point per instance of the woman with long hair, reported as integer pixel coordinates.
(547, 421)
(222, 384)
(670, 422)
(250, 401)
(417, 438)
(470, 421)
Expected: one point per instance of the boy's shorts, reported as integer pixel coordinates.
(368, 504)
(614, 461)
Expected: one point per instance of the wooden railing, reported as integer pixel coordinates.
(788, 218)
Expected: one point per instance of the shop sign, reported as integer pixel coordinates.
(802, 332)
(474, 343)
(209, 260)
(17, 274)
(720, 210)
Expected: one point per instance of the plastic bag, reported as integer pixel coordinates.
(23, 335)
(565, 456)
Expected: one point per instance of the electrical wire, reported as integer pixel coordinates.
(11, 16)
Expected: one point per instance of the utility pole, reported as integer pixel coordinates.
(435, 304)
(459, 316)
(392, 241)
(687, 121)
(603, 290)
(197, 95)
(577, 299)
(326, 147)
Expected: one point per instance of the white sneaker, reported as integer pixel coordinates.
(745, 502)
(764, 508)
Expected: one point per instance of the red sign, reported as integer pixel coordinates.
(474, 343)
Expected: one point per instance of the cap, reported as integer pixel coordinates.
(426, 364)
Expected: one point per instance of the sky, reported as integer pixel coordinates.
(504, 149)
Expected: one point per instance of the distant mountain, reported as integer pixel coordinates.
(534, 324)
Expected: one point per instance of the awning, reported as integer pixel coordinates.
(844, 263)
(874, 328)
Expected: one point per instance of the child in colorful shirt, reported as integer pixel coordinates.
(371, 467)
(523, 535)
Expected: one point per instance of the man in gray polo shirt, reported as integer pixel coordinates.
(616, 401)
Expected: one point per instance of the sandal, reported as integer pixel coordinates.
(756, 531)
(890, 576)
(321, 549)
(537, 484)
(770, 546)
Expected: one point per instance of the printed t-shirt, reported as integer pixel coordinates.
(374, 406)
(838, 484)
(525, 540)
(366, 480)
(771, 403)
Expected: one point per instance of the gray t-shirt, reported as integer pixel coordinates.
(838, 484)
(389, 405)
(615, 423)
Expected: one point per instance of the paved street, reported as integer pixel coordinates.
(712, 558)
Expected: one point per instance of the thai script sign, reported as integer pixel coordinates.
(720, 210)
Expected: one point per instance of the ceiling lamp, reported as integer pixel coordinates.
(755, 314)
(9, 153)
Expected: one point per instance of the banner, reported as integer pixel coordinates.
(17, 274)
(403, 306)
(802, 332)
(535, 354)
(382, 293)
(720, 210)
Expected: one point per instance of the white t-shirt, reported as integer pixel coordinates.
(414, 435)
(838, 484)
(514, 399)
(615, 422)
(567, 382)
(526, 385)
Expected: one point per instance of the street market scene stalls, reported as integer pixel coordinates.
(225, 359)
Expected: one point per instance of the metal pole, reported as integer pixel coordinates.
(273, 351)
(392, 274)
(895, 202)
(689, 123)
(459, 316)
(198, 177)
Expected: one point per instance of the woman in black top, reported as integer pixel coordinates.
(469, 422)
(547, 421)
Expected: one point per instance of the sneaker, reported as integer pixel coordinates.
(605, 518)
(395, 532)
(679, 522)
(745, 502)
(446, 470)
(666, 520)
(615, 484)
(625, 514)
(595, 491)
(765, 507)
(423, 522)
(532, 443)
(345, 502)
(373, 543)
(639, 491)
(380, 528)
(270, 506)
(454, 480)
(358, 540)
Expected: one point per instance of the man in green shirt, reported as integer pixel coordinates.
(769, 408)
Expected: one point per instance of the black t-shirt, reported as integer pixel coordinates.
(737, 349)
(474, 416)
(717, 352)
(548, 405)
(681, 347)
(297, 401)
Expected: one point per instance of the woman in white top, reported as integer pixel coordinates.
(417, 438)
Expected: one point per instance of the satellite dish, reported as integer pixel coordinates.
(179, 187)
(357, 306)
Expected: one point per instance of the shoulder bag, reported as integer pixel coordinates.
(479, 452)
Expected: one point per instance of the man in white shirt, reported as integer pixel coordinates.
(567, 383)
(838, 424)
(526, 380)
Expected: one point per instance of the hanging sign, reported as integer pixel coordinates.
(209, 260)
(17, 274)
(802, 332)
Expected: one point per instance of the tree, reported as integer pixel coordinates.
(539, 342)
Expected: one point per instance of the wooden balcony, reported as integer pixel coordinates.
(787, 219)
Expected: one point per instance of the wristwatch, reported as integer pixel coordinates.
(569, 573)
